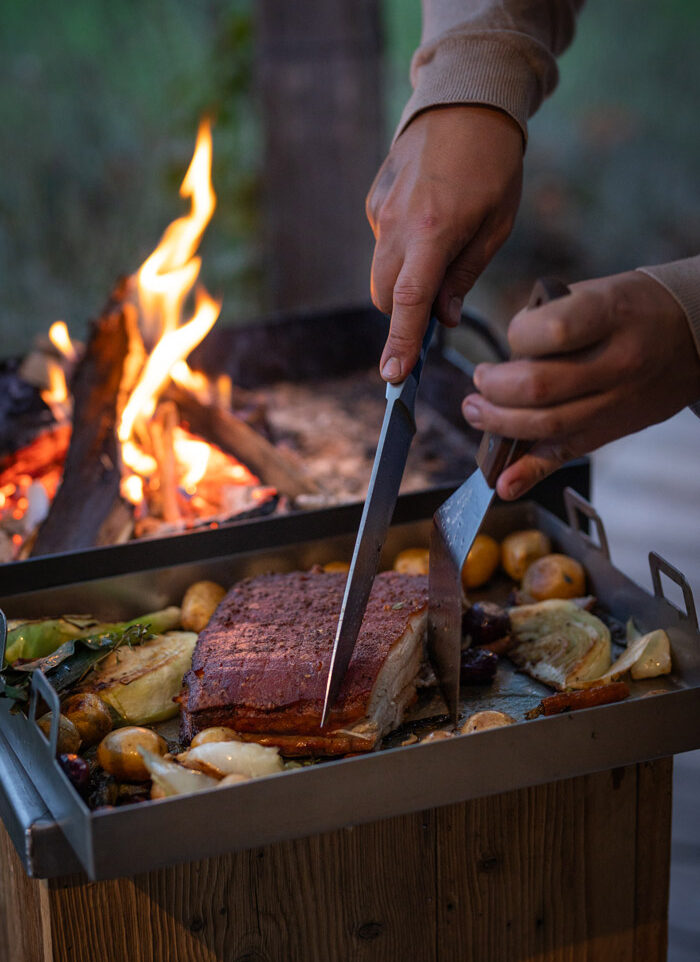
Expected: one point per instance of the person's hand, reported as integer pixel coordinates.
(612, 358)
(441, 205)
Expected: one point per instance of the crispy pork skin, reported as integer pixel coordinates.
(261, 664)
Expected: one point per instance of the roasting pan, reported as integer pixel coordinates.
(662, 717)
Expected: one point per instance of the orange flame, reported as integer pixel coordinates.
(56, 396)
(164, 283)
(60, 338)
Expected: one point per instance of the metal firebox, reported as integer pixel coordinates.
(661, 717)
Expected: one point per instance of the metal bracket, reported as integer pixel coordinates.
(576, 505)
(657, 564)
(40, 686)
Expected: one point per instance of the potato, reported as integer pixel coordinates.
(219, 733)
(118, 753)
(337, 566)
(554, 576)
(90, 715)
(481, 562)
(481, 720)
(68, 741)
(412, 561)
(520, 549)
(199, 604)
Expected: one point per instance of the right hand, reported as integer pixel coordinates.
(442, 204)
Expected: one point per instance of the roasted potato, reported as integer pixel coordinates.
(118, 753)
(520, 548)
(90, 715)
(218, 733)
(554, 576)
(482, 560)
(68, 736)
(412, 561)
(337, 566)
(199, 604)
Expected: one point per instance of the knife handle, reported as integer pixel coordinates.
(496, 453)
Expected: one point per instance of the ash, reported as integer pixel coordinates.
(331, 428)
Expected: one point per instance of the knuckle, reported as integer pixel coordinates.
(558, 332)
(535, 389)
(410, 293)
(552, 424)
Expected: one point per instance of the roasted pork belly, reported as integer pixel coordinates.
(261, 664)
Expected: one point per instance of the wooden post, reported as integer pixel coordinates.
(319, 66)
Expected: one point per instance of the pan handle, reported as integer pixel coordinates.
(41, 686)
(657, 564)
(577, 505)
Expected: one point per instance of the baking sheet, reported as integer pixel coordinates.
(662, 717)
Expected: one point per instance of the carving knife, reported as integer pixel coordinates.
(397, 432)
(455, 525)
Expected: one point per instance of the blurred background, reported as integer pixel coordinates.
(99, 105)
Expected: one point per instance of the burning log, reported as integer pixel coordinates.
(88, 509)
(238, 438)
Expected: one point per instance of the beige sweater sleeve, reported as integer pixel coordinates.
(499, 53)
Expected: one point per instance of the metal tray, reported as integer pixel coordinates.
(661, 718)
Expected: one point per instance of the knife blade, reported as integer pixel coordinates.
(398, 428)
(455, 526)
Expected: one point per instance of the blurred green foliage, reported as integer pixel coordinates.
(99, 105)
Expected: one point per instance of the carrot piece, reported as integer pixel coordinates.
(585, 698)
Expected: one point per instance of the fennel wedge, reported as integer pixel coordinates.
(559, 643)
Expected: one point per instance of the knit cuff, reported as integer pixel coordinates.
(682, 280)
(481, 70)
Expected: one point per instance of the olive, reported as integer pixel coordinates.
(477, 666)
(482, 561)
(520, 548)
(554, 576)
(68, 736)
(90, 715)
(485, 622)
(412, 561)
(77, 770)
(217, 734)
(118, 753)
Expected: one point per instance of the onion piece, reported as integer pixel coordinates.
(233, 758)
(173, 779)
(647, 656)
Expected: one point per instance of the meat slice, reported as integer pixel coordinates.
(261, 664)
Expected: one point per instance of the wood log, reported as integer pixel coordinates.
(88, 509)
(233, 435)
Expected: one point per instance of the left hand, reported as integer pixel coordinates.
(610, 359)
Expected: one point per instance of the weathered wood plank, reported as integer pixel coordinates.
(24, 911)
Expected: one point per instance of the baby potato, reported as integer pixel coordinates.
(412, 561)
(200, 603)
(68, 741)
(337, 566)
(217, 734)
(520, 548)
(481, 562)
(90, 715)
(554, 576)
(118, 753)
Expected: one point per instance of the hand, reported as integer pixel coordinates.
(441, 205)
(610, 359)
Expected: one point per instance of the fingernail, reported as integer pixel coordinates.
(454, 310)
(391, 369)
(472, 413)
(479, 373)
(514, 489)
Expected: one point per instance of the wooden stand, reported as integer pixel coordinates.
(572, 871)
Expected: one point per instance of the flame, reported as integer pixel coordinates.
(60, 338)
(56, 397)
(132, 489)
(163, 284)
(192, 457)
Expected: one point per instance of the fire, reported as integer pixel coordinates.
(60, 338)
(57, 397)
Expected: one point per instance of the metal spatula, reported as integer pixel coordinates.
(455, 525)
